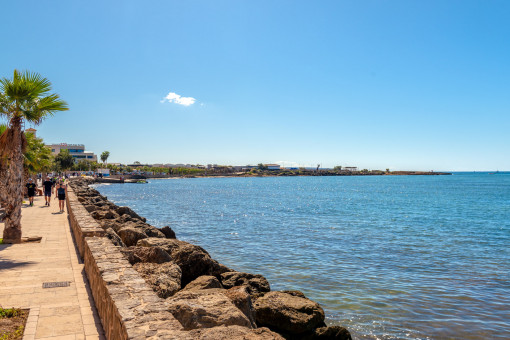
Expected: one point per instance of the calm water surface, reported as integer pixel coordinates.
(388, 257)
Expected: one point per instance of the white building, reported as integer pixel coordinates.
(76, 150)
(272, 166)
(351, 168)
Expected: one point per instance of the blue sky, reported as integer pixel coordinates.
(410, 85)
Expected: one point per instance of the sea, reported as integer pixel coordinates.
(387, 257)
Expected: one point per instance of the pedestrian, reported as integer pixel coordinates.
(60, 193)
(31, 191)
(48, 186)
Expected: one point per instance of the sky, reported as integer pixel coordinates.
(405, 85)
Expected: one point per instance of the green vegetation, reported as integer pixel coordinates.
(104, 156)
(37, 157)
(13, 325)
(64, 160)
(24, 98)
(9, 312)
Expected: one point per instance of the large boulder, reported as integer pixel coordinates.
(193, 260)
(146, 255)
(169, 233)
(254, 282)
(203, 282)
(128, 211)
(143, 227)
(329, 333)
(241, 298)
(130, 236)
(116, 240)
(205, 309)
(165, 278)
(89, 207)
(288, 313)
(104, 214)
(232, 333)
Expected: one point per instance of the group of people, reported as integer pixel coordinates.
(51, 185)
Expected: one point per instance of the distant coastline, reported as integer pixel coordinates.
(271, 173)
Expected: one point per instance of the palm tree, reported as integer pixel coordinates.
(25, 97)
(104, 156)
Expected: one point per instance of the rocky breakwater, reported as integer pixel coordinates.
(210, 300)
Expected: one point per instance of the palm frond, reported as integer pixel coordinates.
(26, 96)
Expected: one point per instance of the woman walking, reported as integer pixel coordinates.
(60, 193)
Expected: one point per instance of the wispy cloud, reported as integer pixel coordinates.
(173, 97)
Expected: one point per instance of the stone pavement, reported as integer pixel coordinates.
(55, 313)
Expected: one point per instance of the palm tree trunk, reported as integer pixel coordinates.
(14, 186)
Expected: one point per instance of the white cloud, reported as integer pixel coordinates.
(173, 97)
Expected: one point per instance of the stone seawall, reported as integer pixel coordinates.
(148, 284)
(127, 306)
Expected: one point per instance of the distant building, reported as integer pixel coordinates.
(32, 131)
(350, 168)
(138, 165)
(272, 166)
(76, 150)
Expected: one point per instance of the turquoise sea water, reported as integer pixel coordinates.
(388, 257)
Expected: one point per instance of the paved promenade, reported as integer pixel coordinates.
(55, 313)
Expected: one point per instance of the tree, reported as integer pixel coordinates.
(25, 97)
(261, 166)
(64, 160)
(37, 157)
(338, 168)
(104, 156)
(82, 165)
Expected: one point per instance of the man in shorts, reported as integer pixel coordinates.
(31, 191)
(48, 185)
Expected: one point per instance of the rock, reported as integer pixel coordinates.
(146, 255)
(145, 228)
(233, 333)
(205, 309)
(203, 282)
(329, 333)
(130, 212)
(104, 214)
(165, 278)
(242, 300)
(169, 245)
(294, 293)
(255, 283)
(130, 236)
(288, 313)
(193, 260)
(89, 207)
(168, 232)
(112, 235)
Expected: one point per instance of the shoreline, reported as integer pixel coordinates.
(185, 276)
(136, 178)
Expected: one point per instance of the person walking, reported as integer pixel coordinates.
(48, 186)
(60, 193)
(31, 191)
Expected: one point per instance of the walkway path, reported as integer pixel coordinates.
(55, 313)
